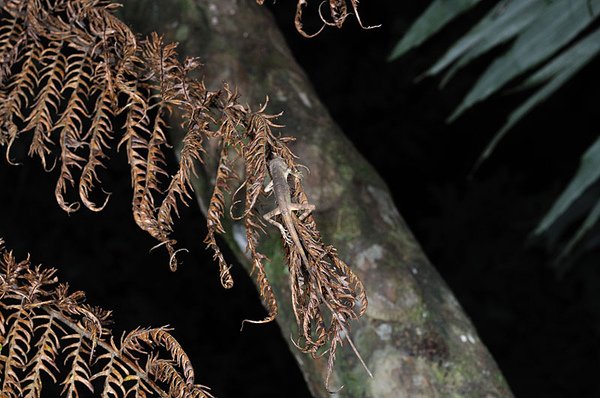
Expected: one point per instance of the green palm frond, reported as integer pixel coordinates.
(587, 174)
(548, 42)
(438, 15)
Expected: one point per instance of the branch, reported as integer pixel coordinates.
(414, 336)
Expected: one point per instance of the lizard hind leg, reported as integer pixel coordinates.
(305, 207)
(270, 218)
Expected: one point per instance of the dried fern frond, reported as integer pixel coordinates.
(216, 211)
(41, 321)
(77, 91)
(326, 294)
(338, 12)
(71, 68)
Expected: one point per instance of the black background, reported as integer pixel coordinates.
(542, 329)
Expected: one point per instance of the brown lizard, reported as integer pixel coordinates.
(279, 172)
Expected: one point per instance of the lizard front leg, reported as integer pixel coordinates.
(297, 174)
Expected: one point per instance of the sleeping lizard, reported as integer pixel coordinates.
(279, 172)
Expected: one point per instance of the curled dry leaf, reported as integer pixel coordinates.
(338, 12)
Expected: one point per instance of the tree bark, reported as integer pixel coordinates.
(415, 337)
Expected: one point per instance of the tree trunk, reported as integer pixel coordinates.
(415, 337)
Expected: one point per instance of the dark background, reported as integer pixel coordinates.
(542, 328)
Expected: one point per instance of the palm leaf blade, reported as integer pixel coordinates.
(588, 223)
(555, 27)
(554, 74)
(501, 24)
(438, 14)
(587, 174)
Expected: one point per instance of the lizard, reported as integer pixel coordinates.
(279, 172)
